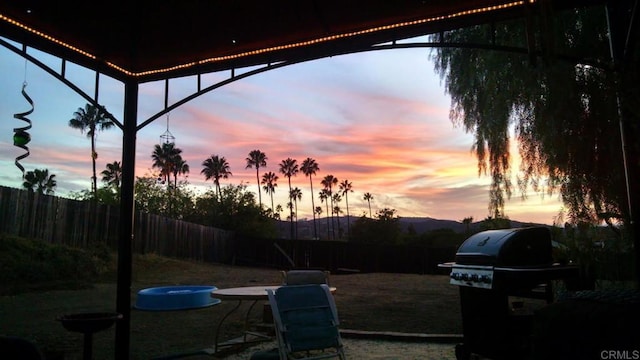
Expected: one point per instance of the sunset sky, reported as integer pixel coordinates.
(379, 119)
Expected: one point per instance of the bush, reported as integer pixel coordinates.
(28, 265)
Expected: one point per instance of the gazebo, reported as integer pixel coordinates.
(141, 41)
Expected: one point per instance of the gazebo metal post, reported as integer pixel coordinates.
(125, 239)
(623, 29)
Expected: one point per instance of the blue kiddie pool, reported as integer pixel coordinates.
(175, 298)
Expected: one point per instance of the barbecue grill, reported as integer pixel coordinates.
(498, 272)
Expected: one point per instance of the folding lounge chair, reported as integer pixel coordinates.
(306, 322)
(304, 277)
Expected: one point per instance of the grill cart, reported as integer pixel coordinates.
(501, 275)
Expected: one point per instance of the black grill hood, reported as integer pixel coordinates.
(520, 247)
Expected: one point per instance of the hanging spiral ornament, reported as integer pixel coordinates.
(20, 135)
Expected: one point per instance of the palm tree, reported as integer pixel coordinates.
(329, 182)
(368, 197)
(270, 182)
(166, 157)
(40, 181)
(257, 159)
(112, 175)
(296, 194)
(335, 201)
(290, 206)
(216, 168)
(89, 120)
(324, 197)
(309, 168)
(346, 188)
(180, 168)
(317, 211)
(337, 210)
(289, 168)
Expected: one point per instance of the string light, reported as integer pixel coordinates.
(47, 37)
(273, 48)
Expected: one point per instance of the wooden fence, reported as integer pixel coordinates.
(83, 223)
(341, 256)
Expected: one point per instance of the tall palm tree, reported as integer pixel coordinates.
(346, 187)
(40, 181)
(89, 120)
(257, 159)
(309, 168)
(270, 182)
(166, 157)
(368, 197)
(216, 168)
(329, 181)
(289, 168)
(290, 206)
(112, 175)
(336, 198)
(296, 194)
(324, 197)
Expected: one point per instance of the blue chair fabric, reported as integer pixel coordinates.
(306, 322)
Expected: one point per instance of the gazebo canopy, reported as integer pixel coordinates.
(150, 40)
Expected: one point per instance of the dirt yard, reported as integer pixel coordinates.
(405, 303)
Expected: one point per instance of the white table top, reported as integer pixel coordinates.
(243, 293)
(258, 292)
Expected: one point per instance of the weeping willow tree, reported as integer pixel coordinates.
(561, 106)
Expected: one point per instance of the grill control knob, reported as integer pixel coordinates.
(474, 277)
(455, 276)
(465, 277)
(485, 279)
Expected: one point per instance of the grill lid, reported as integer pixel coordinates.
(530, 246)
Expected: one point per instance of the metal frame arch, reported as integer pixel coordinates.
(210, 88)
(492, 47)
(410, 45)
(23, 53)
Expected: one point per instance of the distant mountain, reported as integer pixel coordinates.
(426, 224)
(420, 225)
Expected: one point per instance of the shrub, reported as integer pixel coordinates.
(29, 265)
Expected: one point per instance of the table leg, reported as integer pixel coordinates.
(246, 320)
(87, 349)
(215, 346)
(246, 330)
